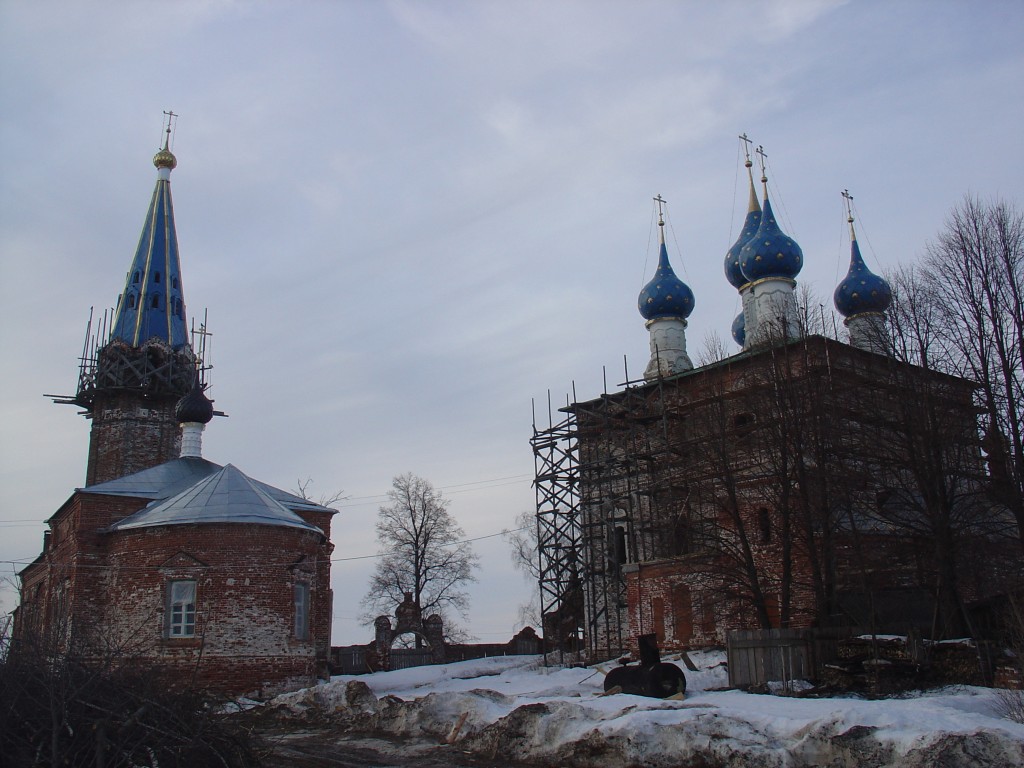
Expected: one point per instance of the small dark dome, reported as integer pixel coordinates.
(739, 329)
(195, 407)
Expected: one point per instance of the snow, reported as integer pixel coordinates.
(516, 705)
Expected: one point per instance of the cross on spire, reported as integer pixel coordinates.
(764, 161)
(746, 148)
(660, 201)
(848, 202)
(170, 117)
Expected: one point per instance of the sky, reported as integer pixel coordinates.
(411, 221)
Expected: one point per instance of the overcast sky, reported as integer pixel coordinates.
(408, 220)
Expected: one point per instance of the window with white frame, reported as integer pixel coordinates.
(181, 609)
(301, 610)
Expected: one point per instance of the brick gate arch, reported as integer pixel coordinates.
(408, 620)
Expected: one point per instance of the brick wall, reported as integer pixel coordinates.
(97, 593)
(131, 432)
(684, 604)
(679, 471)
(245, 641)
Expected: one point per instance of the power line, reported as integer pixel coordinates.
(267, 565)
(498, 482)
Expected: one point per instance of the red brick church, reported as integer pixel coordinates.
(803, 481)
(164, 558)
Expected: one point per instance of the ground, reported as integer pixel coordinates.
(516, 711)
(324, 749)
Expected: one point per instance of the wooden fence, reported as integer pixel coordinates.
(760, 656)
(403, 658)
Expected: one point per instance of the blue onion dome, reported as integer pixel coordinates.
(739, 329)
(861, 291)
(770, 252)
(194, 407)
(733, 273)
(665, 295)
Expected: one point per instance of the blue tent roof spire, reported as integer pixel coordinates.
(152, 304)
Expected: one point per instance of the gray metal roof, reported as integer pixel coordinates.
(225, 496)
(172, 477)
(159, 482)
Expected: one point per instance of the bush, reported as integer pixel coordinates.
(56, 712)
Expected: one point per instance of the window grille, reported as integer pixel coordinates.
(182, 609)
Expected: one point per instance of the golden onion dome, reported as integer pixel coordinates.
(165, 159)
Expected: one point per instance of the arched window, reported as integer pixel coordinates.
(156, 277)
(156, 301)
(131, 301)
(174, 282)
(620, 544)
(135, 277)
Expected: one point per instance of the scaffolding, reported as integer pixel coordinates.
(603, 486)
(153, 368)
(556, 486)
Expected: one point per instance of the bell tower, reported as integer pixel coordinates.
(138, 362)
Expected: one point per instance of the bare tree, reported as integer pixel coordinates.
(815, 316)
(713, 349)
(422, 553)
(928, 450)
(525, 554)
(302, 490)
(975, 269)
(723, 441)
(84, 699)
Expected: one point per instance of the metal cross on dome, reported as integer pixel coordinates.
(660, 201)
(848, 201)
(170, 114)
(764, 158)
(746, 147)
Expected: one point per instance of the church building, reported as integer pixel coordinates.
(803, 481)
(164, 558)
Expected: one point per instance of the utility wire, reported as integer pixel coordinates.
(268, 565)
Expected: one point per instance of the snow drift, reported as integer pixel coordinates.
(513, 709)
